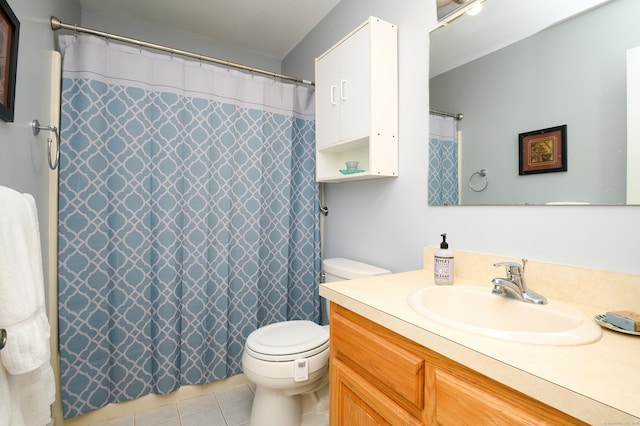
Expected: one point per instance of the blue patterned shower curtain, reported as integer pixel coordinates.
(187, 219)
(443, 161)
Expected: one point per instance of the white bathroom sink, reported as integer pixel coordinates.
(477, 310)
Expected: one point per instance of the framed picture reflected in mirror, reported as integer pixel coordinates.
(543, 151)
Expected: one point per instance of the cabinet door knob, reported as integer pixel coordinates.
(342, 96)
(333, 95)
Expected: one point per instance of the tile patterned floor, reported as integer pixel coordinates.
(231, 407)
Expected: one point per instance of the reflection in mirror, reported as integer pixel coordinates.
(573, 73)
(447, 8)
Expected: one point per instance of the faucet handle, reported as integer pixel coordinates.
(513, 268)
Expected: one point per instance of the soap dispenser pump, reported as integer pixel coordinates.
(443, 263)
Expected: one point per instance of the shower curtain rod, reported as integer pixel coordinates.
(459, 116)
(56, 24)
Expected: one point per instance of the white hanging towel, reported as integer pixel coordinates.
(26, 356)
(5, 398)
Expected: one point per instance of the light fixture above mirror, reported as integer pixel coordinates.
(475, 9)
(447, 8)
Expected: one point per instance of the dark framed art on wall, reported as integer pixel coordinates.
(543, 151)
(9, 32)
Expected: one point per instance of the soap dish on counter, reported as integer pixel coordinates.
(350, 172)
(602, 320)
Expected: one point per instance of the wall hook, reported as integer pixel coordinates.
(36, 127)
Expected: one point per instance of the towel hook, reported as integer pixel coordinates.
(483, 174)
(36, 127)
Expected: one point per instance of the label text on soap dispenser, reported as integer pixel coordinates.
(443, 269)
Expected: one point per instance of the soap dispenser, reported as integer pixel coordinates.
(443, 263)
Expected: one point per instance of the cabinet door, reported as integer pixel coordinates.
(328, 99)
(463, 397)
(375, 355)
(355, 85)
(355, 401)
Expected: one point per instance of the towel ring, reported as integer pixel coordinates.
(35, 125)
(481, 173)
(3, 338)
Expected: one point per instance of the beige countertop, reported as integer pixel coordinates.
(598, 383)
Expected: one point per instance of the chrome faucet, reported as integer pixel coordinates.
(515, 285)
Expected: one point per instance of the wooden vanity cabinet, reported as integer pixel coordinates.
(378, 377)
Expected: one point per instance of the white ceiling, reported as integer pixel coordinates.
(270, 27)
(274, 27)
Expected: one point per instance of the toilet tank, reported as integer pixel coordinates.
(340, 269)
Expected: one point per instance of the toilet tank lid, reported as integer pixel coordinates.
(351, 269)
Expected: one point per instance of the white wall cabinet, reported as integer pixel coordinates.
(357, 104)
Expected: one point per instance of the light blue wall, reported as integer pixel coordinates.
(381, 221)
(388, 222)
(23, 165)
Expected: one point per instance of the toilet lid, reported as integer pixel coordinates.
(287, 340)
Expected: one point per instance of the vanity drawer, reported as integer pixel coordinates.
(461, 396)
(380, 357)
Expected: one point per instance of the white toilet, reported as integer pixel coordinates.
(288, 359)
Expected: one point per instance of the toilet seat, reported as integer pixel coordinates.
(287, 341)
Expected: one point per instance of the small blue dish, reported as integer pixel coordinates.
(350, 172)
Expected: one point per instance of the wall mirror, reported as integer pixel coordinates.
(522, 67)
